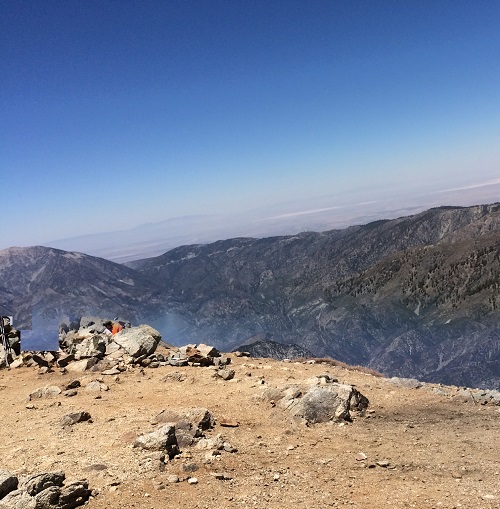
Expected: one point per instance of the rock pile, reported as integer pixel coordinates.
(41, 491)
(181, 429)
(92, 347)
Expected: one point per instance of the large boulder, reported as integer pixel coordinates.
(138, 341)
(37, 483)
(319, 403)
(93, 346)
(163, 439)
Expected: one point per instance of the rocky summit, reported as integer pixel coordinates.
(195, 427)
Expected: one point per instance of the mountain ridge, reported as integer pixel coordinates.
(413, 296)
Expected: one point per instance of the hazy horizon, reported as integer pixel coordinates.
(280, 114)
(152, 239)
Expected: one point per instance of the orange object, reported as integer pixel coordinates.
(117, 327)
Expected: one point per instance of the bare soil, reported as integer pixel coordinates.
(440, 453)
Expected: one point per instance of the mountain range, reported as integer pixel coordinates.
(416, 296)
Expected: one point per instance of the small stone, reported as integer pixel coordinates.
(383, 463)
(73, 418)
(228, 447)
(172, 479)
(74, 384)
(192, 480)
(229, 423)
(361, 456)
(189, 467)
(221, 476)
(112, 371)
(69, 393)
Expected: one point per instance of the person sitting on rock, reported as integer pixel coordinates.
(112, 328)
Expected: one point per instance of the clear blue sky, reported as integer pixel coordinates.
(114, 113)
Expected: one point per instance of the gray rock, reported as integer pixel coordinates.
(319, 403)
(198, 417)
(48, 498)
(94, 346)
(207, 350)
(8, 482)
(45, 392)
(94, 386)
(177, 361)
(74, 494)
(82, 365)
(111, 371)
(18, 499)
(225, 374)
(37, 483)
(75, 417)
(70, 392)
(138, 341)
(163, 439)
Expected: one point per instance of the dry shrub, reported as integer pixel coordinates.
(334, 362)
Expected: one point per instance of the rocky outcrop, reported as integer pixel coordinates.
(43, 491)
(321, 402)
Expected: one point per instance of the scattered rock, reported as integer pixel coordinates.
(229, 423)
(45, 392)
(225, 374)
(163, 439)
(74, 418)
(221, 476)
(112, 371)
(74, 384)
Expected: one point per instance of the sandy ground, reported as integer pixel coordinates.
(441, 453)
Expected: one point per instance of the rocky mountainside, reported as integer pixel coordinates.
(53, 283)
(412, 296)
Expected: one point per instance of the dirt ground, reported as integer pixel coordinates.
(438, 452)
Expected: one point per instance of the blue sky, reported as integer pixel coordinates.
(116, 113)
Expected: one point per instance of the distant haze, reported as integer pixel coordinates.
(325, 213)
